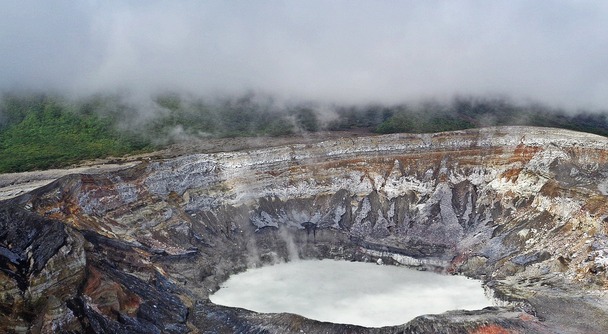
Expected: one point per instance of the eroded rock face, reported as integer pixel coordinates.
(140, 250)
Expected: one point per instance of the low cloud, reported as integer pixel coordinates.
(327, 51)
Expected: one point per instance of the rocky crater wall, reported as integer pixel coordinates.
(139, 250)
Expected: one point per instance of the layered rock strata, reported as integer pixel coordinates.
(140, 250)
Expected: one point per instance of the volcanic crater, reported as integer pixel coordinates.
(140, 250)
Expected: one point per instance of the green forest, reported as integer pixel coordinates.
(41, 131)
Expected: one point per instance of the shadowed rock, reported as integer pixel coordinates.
(309, 226)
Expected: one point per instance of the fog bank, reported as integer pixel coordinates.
(328, 51)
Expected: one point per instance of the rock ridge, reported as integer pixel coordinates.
(139, 250)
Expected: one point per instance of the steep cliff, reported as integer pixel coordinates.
(139, 250)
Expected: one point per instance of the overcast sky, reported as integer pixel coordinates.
(344, 51)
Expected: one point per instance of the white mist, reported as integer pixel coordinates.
(350, 292)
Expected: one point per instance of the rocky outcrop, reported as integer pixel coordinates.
(139, 250)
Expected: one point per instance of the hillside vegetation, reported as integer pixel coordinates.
(40, 131)
(44, 132)
(465, 113)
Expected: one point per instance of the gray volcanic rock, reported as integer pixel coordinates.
(139, 250)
